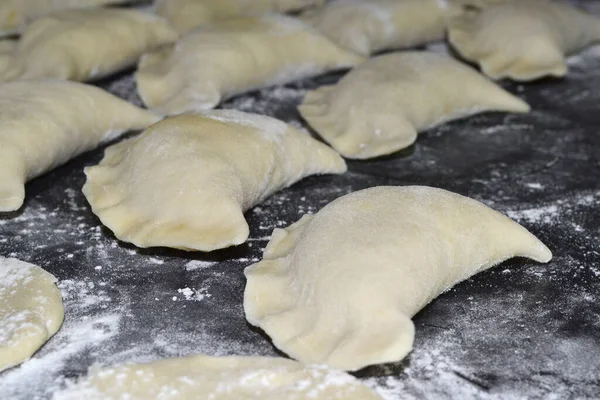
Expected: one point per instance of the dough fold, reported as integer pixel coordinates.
(186, 181)
(369, 26)
(185, 15)
(45, 123)
(217, 378)
(214, 63)
(31, 310)
(83, 45)
(379, 107)
(523, 40)
(339, 287)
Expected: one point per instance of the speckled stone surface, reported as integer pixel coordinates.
(520, 330)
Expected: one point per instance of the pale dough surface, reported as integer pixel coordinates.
(6, 49)
(232, 57)
(82, 45)
(523, 40)
(218, 378)
(31, 310)
(186, 181)
(379, 107)
(340, 287)
(369, 26)
(44, 123)
(15, 14)
(186, 15)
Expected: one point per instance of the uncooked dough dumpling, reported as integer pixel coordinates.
(379, 107)
(45, 123)
(31, 310)
(186, 181)
(369, 26)
(340, 287)
(217, 378)
(214, 63)
(81, 45)
(522, 40)
(15, 14)
(186, 15)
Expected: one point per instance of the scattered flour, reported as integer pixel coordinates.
(546, 214)
(195, 294)
(198, 264)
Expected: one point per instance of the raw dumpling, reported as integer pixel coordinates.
(186, 15)
(369, 26)
(82, 45)
(186, 181)
(523, 40)
(31, 310)
(217, 378)
(44, 123)
(232, 57)
(379, 107)
(14, 14)
(339, 287)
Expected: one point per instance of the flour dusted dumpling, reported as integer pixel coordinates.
(15, 14)
(44, 123)
(379, 107)
(31, 310)
(369, 26)
(232, 57)
(217, 378)
(186, 181)
(340, 287)
(186, 15)
(82, 45)
(523, 40)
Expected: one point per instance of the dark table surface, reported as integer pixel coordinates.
(520, 330)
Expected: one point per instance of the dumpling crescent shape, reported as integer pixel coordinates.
(379, 107)
(186, 181)
(15, 14)
(214, 63)
(45, 123)
(340, 287)
(82, 45)
(185, 15)
(217, 378)
(31, 310)
(522, 40)
(366, 27)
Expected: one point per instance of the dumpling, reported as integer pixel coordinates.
(235, 56)
(523, 40)
(217, 378)
(44, 123)
(379, 107)
(31, 310)
(186, 15)
(14, 14)
(369, 26)
(186, 181)
(82, 45)
(339, 287)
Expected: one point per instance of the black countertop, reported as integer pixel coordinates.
(520, 330)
